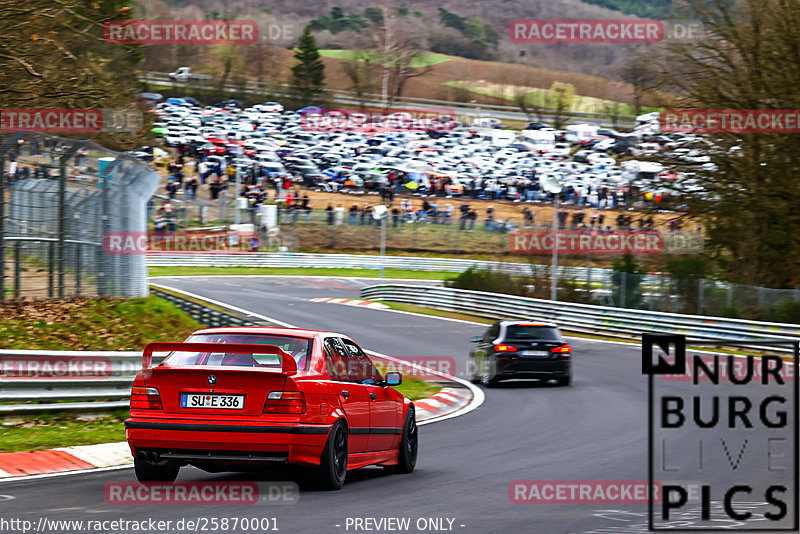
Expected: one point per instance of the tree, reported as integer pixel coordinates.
(261, 57)
(560, 99)
(231, 60)
(358, 69)
(308, 75)
(374, 14)
(747, 59)
(640, 72)
(626, 281)
(685, 275)
(524, 97)
(53, 54)
(612, 111)
(396, 49)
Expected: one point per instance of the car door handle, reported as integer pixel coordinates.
(373, 396)
(345, 393)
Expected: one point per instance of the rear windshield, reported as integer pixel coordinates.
(519, 331)
(298, 347)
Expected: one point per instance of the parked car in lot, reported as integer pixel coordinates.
(232, 399)
(185, 74)
(514, 349)
(536, 126)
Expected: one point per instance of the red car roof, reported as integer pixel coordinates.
(273, 330)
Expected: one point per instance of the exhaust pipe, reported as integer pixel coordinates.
(153, 458)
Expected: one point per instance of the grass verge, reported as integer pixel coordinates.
(436, 313)
(91, 324)
(424, 59)
(413, 387)
(50, 431)
(299, 271)
(416, 388)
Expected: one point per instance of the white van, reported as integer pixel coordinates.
(540, 140)
(503, 137)
(648, 124)
(640, 170)
(486, 122)
(575, 133)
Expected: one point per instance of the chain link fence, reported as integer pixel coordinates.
(60, 199)
(694, 296)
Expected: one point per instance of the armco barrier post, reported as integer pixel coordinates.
(78, 267)
(17, 267)
(51, 268)
(700, 291)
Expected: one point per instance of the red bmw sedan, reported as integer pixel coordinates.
(230, 399)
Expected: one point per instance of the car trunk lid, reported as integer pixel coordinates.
(239, 387)
(214, 390)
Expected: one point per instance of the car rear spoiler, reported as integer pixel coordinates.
(288, 365)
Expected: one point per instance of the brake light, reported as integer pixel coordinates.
(505, 348)
(143, 398)
(293, 402)
(563, 349)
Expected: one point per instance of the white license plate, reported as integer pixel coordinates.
(217, 402)
(535, 353)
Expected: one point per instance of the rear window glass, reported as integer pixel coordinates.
(532, 332)
(298, 347)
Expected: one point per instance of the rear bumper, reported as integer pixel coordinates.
(206, 441)
(534, 369)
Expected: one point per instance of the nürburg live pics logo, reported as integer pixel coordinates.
(722, 445)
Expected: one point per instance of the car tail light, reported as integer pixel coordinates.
(563, 349)
(505, 348)
(285, 402)
(143, 398)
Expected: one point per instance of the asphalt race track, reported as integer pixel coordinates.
(594, 430)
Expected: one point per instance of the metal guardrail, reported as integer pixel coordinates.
(352, 261)
(203, 314)
(586, 318)
(104, 392)
(77, 394)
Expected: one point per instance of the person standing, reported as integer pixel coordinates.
(329, 212)
(306, 207)
(202, 171)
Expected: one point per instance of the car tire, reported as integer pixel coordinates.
(473, 377)
(564, 381)
(489, 381)
(409, 445)
(147, 473)
(333, 462)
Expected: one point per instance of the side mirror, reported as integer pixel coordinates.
(475, 339)
(394, 378)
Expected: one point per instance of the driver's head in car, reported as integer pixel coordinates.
(241, 360)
